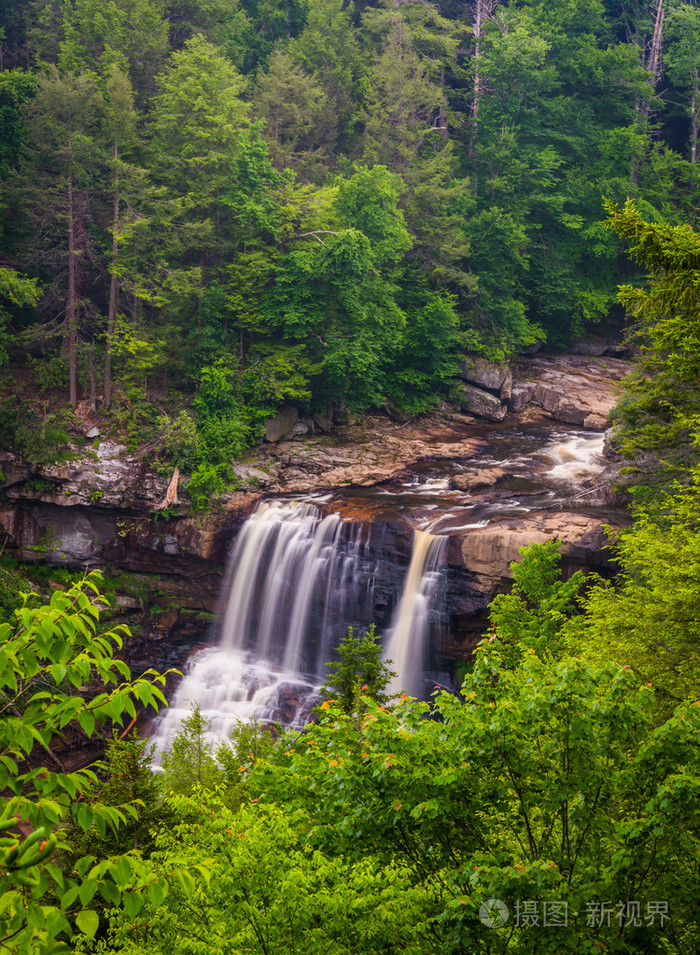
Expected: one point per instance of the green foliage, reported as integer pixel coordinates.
(264, 884)
(344, 197)
(41, 437)
(181, 441)
(49, 372)
(530, 618)
(659, 409)
(249, 743)
(16, 88)
(126, 783)
(189, 761)
(359, 672)
(646, 619)
(12, 586)
(18, 291)
(58, 675)
(549, 784)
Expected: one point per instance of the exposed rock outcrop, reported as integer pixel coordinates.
(98, 510)
(282, 425)
(487, 374)
(481, 403)
(106, 476)
(573, 389)
(487, 555)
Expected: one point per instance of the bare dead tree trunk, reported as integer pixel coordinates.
(113, 285)
(71, 328)
(171, 494)
(656, 41)
(482, 11)
(694, 129)
(651, 59)
(651, 62)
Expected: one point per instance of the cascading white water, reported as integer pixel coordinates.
(230, 688)
(577, 459)
(410, 627)
(296, 580)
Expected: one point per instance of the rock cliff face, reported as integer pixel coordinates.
(100, 509)
(577, 390)
(574, 389)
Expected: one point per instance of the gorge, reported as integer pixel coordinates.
(410, 525)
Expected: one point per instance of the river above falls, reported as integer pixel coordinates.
(524, 469)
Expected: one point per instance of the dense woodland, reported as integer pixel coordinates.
(563, 780)
(210, 208)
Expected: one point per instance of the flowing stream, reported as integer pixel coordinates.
(299, 576)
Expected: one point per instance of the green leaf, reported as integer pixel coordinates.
(88, 921)
(132, 904)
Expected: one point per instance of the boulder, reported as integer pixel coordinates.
(487, 374)
(323, 421)
(281, 425)
(520, 395)
(303, 426)
(342, 415)
(612, 444)
(395, 413)
(471, 480)
(253, 476)
(591, 346)
(481, 403)
(595, 422)
(507, 387)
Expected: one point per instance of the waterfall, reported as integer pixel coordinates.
(411, 625)
(297, 579)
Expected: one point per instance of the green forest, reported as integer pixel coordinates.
(211, 209)
(563, 782)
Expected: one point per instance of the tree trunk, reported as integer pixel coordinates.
(113, 285)
(93, 380)
(483, 9)
(694, 129)
(651, 62)
(71, 328)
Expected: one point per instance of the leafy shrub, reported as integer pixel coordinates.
(50, 371)
(181, 440)
(41, 436)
